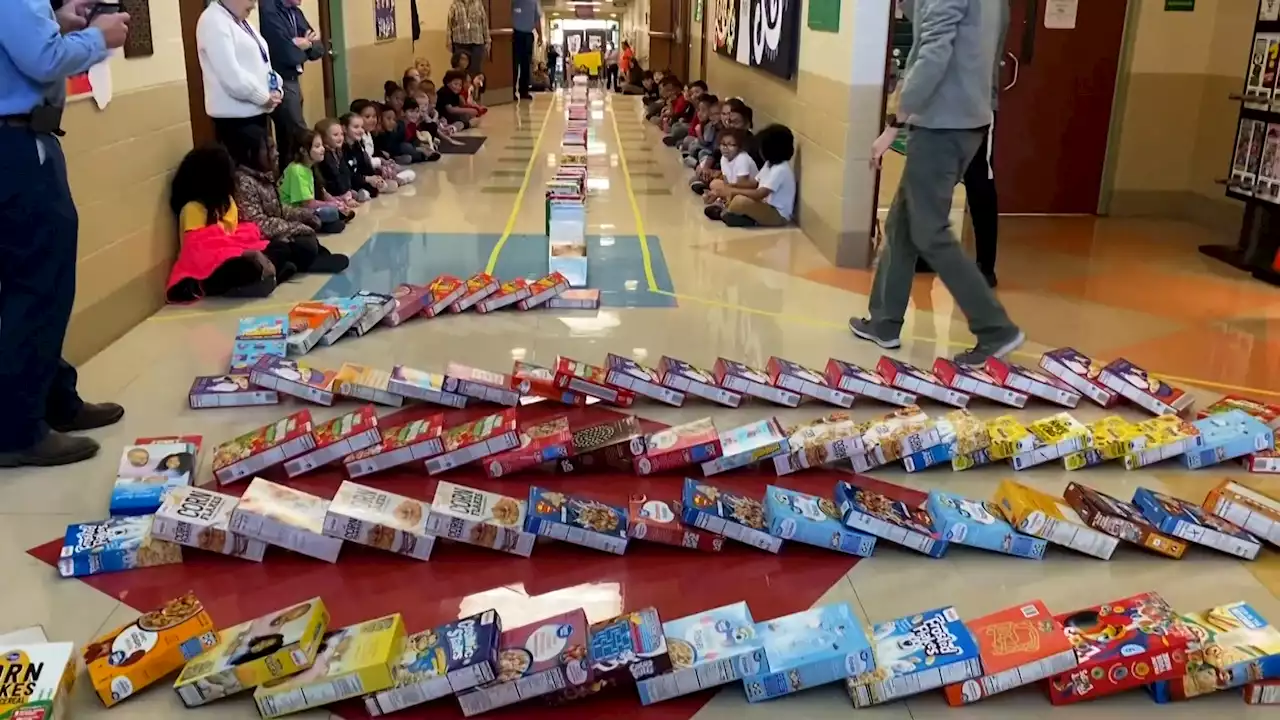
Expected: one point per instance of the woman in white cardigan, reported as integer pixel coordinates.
(240, 88)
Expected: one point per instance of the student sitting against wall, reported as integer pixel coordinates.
(703, 132)
(734, 114)
(386, 166)
(682, 114)
(737, 172)
(300, 188)
(334, 171)
(634, 81)
(358, 161)
(450, 103)
(772, 202)
(389, 140)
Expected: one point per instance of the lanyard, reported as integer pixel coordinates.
(244, 25)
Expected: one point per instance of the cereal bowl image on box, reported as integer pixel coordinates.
(688, 444)
(577, 520)
(726, 513)
(916, 653)
(659, 520)
(711, 648)
(981, 525)
(380, 519)
(815, 647)
(477, 517)
(199, 518)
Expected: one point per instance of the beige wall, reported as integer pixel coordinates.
(370, 63)
(433, 18)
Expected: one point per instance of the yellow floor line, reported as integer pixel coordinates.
(635, 206)
(524, 187)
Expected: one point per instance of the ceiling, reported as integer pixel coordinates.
(601, 11)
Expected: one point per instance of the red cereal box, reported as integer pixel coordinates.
(509, 293)
(1031, 382)
(542, 441)
(905, 376)
(976, 382)
(659, 521)
(543, 289)
(590, 380)
(341, 436)
(536, 381)
(688, 444)
(1264, 692)
(474, 440)
(478, 287)
(409, 302)
(265, 447)
(1266, 413)
(1018, 645)
(415, 440)
(442, 292)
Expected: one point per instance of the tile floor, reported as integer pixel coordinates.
(1104, 286)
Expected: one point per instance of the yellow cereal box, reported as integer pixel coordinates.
(35, 678)
(1055, 436)
(1050, 518)
(132, 657)
(1008, 437)
(1161, 438)
(1113, 438)
(252, 653)
(351, 661)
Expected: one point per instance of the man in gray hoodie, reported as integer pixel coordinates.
(946, 104)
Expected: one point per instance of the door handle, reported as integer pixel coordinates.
(1016, 66)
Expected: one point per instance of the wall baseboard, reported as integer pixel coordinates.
(1219, 215)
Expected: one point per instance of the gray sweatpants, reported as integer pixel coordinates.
(919, 225)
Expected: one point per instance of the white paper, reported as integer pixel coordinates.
(1061, 14)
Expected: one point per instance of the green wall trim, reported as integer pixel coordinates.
(341, 80)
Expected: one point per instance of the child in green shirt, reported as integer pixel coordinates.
(301, 187)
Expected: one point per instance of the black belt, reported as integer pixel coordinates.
(46, 119)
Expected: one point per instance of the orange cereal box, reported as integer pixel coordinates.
(1018, 645)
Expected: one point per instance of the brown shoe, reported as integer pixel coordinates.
(54, 449)
(91, 417)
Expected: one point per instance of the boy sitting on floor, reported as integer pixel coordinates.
(772, 201)
(670, 90)
(734, 114)
(702, 135)
(682, 117)
(450, 103)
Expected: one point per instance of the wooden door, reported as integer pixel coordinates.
(325, 26)
(662, 35)
(1055, 112)
(680, 20)
(499, 70)
(201, 124)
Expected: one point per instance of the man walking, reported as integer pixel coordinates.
(526, 18)
(292, 43)
(39, 49)
(946, 101)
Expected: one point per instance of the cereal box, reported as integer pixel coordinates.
(977, 382)
(474, 440)
(712, 648)
(38, 679)
(265, 447)
(1266, 692)
(660, 521)
(231, 390)
(818, 442)
(285, 517)
(508, 294)
(414, 440)
(380, 519)
(1162, 437)
(1269, 414)
(133, 656)
(118, 543)
(146, 472)
(575, 299)
(291, 378)
(1247, 508)
(810, 648)
(734, 516)
(1052, 437)
(979, 524)
(410, 299)
(1032, 382)
(1182, 519)
(543, 289)
(812, 520)
(1121, 645)
(366, 383)
(627, 374)
(351, 662)
(688, 444)
(1120, 519)
(1051, 518)
(252, 653)
(1009, 437)
(1228, 435)
(480, 518)
(200, 518)
(884, 517)
(377, 307)
(308, 324)
(893, 436)
(746, 380)
(690, 379)
(1113, 437)
(540, 442)
(424, 386)
(590, 380)
(747, 445)
(538, 659)
(1137, 386)
(350, 312)
(449, 659)
(1018, 646)
(914, 654)
(624, 650)
(1267, 461)
(577, 520)
(477, 288)
(908, 377)
(258, 336)
(618, 440)
(536, 381)
(480, 384)
(810, 383)
(968, 439)
(442, 292)
(338, 438)
(1078, 372)
(1233, 646)
(860, 381)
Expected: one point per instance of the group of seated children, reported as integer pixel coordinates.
(744, 180)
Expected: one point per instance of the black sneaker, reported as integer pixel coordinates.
(54, 449)
(863, 329)
(733, 219)
(976, 357)
(332, 263)
(91, 417)
(714, 212)
(698, 187)
(669, 141)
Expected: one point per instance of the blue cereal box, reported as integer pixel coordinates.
(449, 659)
(1182, 519)
(258, 336)
(743, 446)
(146, 472)
(726, 513)
(980, 524)
(709, 649)
(118, 543)
(914, 654)
(577, 520)
(812, 520)
(871, 512)
(808, 649)
(377, 307)
(1228, 435)
(927, 458)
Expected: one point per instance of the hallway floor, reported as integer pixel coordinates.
(672, 284)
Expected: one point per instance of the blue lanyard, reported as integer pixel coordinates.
(244, 25)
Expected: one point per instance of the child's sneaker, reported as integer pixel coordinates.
(698, 187)
(714, 212)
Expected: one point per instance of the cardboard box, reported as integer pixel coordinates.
(981, 525)
(1113, 437)
(1080, 373)
(259, 336)
(624, 651)
(1266, 692)
(575, 299)
(1120, 519)
(1182, 519)
(1269, 414)
(308, 324)
(42, 676)
(338, 438)
(577, 520)
(590, 380)
(231, 390)
(683, 377)
(1228, 435)
(477, 288)
(265, 447)
(976, 382)
(538, 382)
(509, 293)
(543, 289)
(812, 520)
(285, 517)
(660, 521)
(1246, 508)
(442, 292)
(292, 378)
(688, 444)
(401, 444)
(1163, 437)
(627, 374)
(894, 436)
(380, 519)
(1053, 437)
(1234, 645)
(377, 307)
(1050, 518)
(876, 514)
(366, 383)
(908, 377)
(597, 443)
(818, 442)
(1018, 646)
(424, 386)
(410, 299)
(480, 385)
(476, 517)
(810, 383)
(707, 650)
(535, 660)
(1033, 383)
(540, 442)
(810, 648)
(200, 518)
(747, 445)
(746, 380)
(350, 312)
(449, 659)
(860, 381)
(1137, 386)
(112, 545)
(475, 440)
(734, 516)
(936, 645)
(146, 472)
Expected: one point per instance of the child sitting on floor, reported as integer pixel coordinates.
(427, 102)
(772, 202)
(386, 166)
(682, 115)
(334, 171)
(450, 103)
(394, 95)
(389, 140)
(358, 161)
(410, 82)
(737, 170)
(702, 134)
(417, 132)
(669, 91)
(300, 188)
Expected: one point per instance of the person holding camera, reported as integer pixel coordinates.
(240, 87)
(41, 45)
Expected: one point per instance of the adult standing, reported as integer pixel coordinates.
(611, 59)
(240, 88)
(292, 43)
(468, 32)
(553, 63)
(40, 47)
(526, 18)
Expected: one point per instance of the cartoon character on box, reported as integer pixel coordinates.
(227, 383)
(893, 511)
(589, 514)
(817, 509)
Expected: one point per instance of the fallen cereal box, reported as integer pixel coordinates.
(981, 525)
(627, 374)
(688, 444)
(711, 648)
(536, 381)
(1233, 646)
(366, 383)
(1051, 518)
(540, 442)
(115, 544)
(146, 473)
(480, 384)
(380, 519)
(377, 307)
(916, 653)
(477, 288)
(747, 445)
(285, 517)
(1018, 646)
(293, 378)
(1080, 373)
(590, 380)
(1032, 382)
(265, 447)
(680, 375)
(414, 440)
(577, 520)
(424, 386)
(860, 381)
(442, 292)
(734, 516)
(818, 442)
(338, 438)
(1247, 508)
(200, 518)
(480, 518)
(1120, 519)
(475, 440)
(807, 649)
(1182, 519)
(37, 680)
(746, 380)
(446, 660)
(231, 390)
(409, 301)
(977, 382)
(543, 289)
(876, 514)
(908, 377)
(1136, 385)
(798, 378)
(538, 659)
(509, 293)
(660, 521)
(624, 650)
(812, 520)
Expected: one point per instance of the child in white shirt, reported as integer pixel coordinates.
(771, 201)
(737, 170)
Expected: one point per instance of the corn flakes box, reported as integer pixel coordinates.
(1268, 413)
(480, 518)
(1052, 437)
(230, 390)
(977, 382)
(1034, 383)
(285, 517)
(874, 513)
(915, 654)
(1018, 646)
(535, 381)
(442, 292)
(445, 660)
(351, 662)
(292, 378)
(380, 519)
(1234, 645)
(1050, 518)
(377, 307)
(252, 653)
(747, 445)
(810, 383)
(825, 440)
(508, 294)
(133, 656)
(540, 442)
(350, 312)
(1249, 509)
(338, 438)
(577, 520)
(691, 443)
(721, 512)
(365, 383)
(409, 299)
(1113, 437)
(538, 659)
(1080, 373)
(746, 380)
(908, 377)
(200, 518)
(1228, 435)
(471, 441)
(1120, 519)
(259, 336)
(693, 380)
(1137, 386)
(37, 679)
(601, 443)
(308, 324)
(860, 381)
(893, 436)
(112, 545)
(1189, 522)
(543, 289)
(424, 386)
(980, 524)
(812, 520)
(146, 473)
(590, 380)
(656, 520)
(627, 374)
(1163, 437)
(709, 649)
(415, 440)
(265, 447)
(477, 288)
(815, 647)
(480, 385)
(575, 299)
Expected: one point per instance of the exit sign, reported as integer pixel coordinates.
(1179, 5)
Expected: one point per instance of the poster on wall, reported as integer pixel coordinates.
(759, 33)
(384, 20)
(725, 39)
(138, 42)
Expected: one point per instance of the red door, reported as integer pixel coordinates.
(1054, 116)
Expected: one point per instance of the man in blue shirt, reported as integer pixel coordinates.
(40, 47)
(526, 18)
(292, 43)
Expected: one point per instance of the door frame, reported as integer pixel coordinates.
(1128, 39)
(337, 82)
